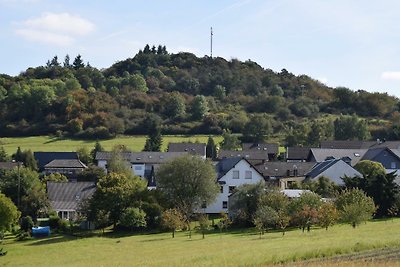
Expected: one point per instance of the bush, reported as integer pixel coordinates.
(26, 224)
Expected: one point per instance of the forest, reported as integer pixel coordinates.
(185, 94)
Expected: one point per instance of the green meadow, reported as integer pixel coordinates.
(49, 143)
(235, 248)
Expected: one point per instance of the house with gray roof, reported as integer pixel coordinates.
(271, 148)
(284, 174)
(347, 144)
(66, 198)
(297, 154)
(44, 158)
(259, 155)
(68, 167)
(143, 164)
(322, 154)
(387, 157)
(334, 169)
(198, 149)
(231, 173)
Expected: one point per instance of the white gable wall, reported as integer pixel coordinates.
(242, 166)
(338, 170)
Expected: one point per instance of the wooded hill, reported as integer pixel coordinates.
(184, 94)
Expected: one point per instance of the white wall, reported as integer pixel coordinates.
(338, 170)
(242, 166)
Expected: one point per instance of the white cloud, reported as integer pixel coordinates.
(52, 28)
(45, 37)
(391, 75)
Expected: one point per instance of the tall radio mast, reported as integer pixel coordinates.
(211, 40)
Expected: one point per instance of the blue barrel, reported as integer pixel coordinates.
(41, 231)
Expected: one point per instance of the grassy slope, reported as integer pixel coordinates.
(232, 249)
(47, 143)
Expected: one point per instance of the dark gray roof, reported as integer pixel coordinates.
(143, 157)
(297, 153)
(281, 169)
(44, 158)
(10, 165)
(321, 154)
(192, 148)
(346, 144)
(65, 163)
(372, 153)
(248, 154)
(388, 144)
(68, 196)
(272, 148)
(321, 167)
(224, 165)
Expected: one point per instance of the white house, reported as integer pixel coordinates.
(333, 169)
(232, 172)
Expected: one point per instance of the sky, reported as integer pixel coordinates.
(348, 43)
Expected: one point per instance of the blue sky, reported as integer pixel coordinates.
(341, 43)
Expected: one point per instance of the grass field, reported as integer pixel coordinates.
(48, 143)
(240, 248)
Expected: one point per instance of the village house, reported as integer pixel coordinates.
(231, 173)
(143, 164)
(198, 149)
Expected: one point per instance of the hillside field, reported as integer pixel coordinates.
(235, 248)
(49, 143)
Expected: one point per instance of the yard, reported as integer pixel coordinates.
(236, 248)
(54, 144)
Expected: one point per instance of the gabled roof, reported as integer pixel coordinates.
(297, 153)
(280, 169)
(271, 148)
(68, 196)
(372, 153)
(192, 148)
(321, 154)
(347, 144)
(226, 164)
(388, 144)
(44, 158)
(145, 157)
(10, 165)
(321, 167)
(65, 163)
(248, 154)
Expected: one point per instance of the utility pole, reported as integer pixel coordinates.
(211, 40)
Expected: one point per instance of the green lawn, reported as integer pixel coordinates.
(47, 143)
(231, 249)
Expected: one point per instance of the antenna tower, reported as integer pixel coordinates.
(211, 40)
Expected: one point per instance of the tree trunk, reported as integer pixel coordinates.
(173, 233)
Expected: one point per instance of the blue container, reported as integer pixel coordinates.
(40, 231)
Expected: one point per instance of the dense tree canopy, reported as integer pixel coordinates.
(189, 95)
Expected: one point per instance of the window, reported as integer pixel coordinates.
(138, 168)
(393, 165)
(231, 189)
(224, 204)
(235, 175)
(221, 189)
(248, 175)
